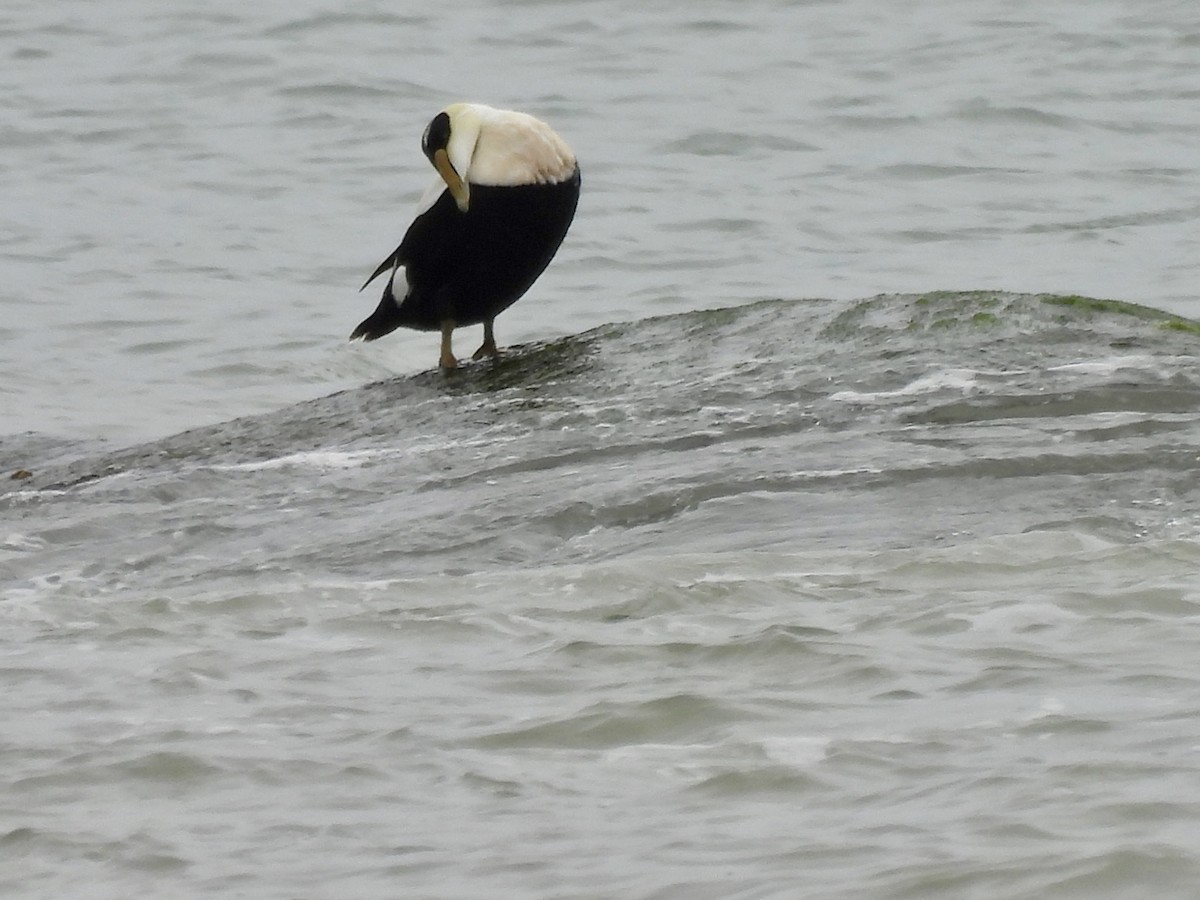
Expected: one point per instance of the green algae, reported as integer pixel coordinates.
(1096, 305)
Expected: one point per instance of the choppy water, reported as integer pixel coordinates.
(662, 609)
(700, 592)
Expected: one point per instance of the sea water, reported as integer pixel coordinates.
(818, 535)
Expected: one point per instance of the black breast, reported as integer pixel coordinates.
(471, 266)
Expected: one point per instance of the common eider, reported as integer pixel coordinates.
(487, 227)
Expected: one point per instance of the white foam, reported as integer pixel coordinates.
(22, 543)
(1018, 618)
(796, 751)
(1108, 366)
(942, 379)
(315, 459)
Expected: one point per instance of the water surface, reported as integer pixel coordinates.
(754, 570)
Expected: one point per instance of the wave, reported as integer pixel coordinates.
(886, 422)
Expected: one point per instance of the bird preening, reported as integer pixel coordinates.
(504, 196)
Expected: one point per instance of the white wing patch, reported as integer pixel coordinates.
(400, 274)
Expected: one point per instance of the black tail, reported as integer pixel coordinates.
(390, 263)
(384, 320)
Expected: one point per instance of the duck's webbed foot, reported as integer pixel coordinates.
(488, 348)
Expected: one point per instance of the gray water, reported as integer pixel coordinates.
(707, 589)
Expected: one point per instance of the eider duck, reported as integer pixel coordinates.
(487, 227)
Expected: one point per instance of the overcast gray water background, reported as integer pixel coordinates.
(754, 570)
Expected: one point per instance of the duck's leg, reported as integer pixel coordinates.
(488, 348)
(447, 361)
